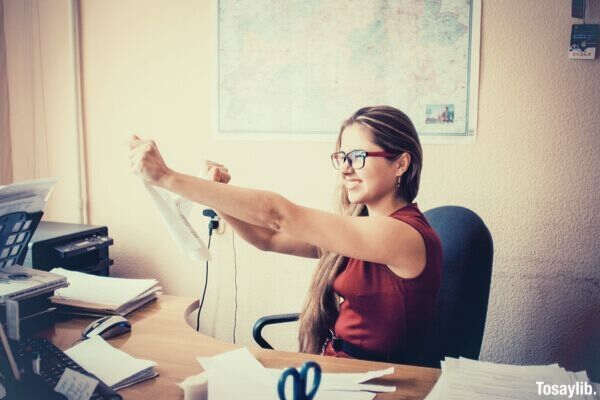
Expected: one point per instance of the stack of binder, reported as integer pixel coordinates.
(101, 295)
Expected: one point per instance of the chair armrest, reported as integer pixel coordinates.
(270, 320)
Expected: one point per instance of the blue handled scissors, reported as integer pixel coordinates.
(300, 381)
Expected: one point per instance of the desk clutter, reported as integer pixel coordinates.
(237, 374)
(34, 368)
(464, 378)
(92, 369)
(56, 372)
(101, 295)
(24, 292)
(113, 366)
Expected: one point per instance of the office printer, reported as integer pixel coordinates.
(76, 247)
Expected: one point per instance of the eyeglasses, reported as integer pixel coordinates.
(356, 158)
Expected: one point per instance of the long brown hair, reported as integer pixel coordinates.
(394, 132)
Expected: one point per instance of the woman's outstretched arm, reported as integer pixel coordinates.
(269, 240)
(377, 238)
(263, 238)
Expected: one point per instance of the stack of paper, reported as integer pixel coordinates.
(469, 379)
(238, 375)
(91, 294)
(114, 367)
(28, 196)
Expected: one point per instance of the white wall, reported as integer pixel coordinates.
(531, 174)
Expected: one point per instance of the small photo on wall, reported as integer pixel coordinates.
(439, 113)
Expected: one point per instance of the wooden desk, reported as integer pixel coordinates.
(160, 333)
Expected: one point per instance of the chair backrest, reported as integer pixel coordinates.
(465, 285)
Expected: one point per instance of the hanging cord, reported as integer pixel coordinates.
(235, 298)
(212, 224)
(205, 285)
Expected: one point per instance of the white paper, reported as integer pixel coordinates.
(464, 378)
(250, 379)
(101, 289)
(350, 382)
(359, 377)
(238, 374)
(195, 387)
(173, 212)
(75, 385)
(113, 366)
(29, 196)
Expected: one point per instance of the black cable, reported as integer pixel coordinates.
(236, 287)
(205, 285)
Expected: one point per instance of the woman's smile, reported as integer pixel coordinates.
(351, 183)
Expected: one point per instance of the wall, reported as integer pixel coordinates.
(531, 174)
(42, 99)
(5, 146)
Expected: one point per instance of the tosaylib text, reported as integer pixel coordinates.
(576, 389)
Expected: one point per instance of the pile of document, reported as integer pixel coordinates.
(238, 375)
(29, 196)
(114, 367)
(99, 295)
(469, 379)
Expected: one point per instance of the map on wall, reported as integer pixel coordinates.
(303, 66)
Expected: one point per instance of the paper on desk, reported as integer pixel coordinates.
(237, 374)
(194, 387)
(115, 367)
(29, 196)
(75, 385)
(360, 377)
(349, 382)
(463, 378)
(101, 290)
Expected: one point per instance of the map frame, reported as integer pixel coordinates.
(467, 135)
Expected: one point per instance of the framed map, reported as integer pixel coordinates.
(300, 67)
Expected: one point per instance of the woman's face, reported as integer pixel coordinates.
(374, 182)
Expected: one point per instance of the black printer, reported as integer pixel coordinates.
(76, 247)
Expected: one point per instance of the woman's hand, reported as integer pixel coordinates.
(145, 160)
(217, 172)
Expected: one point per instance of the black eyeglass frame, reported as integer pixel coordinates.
(356, 154)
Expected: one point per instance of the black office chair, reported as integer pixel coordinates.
(464, 291)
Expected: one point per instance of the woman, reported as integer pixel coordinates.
(373, 293)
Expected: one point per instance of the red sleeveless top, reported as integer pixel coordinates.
(383, 313)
